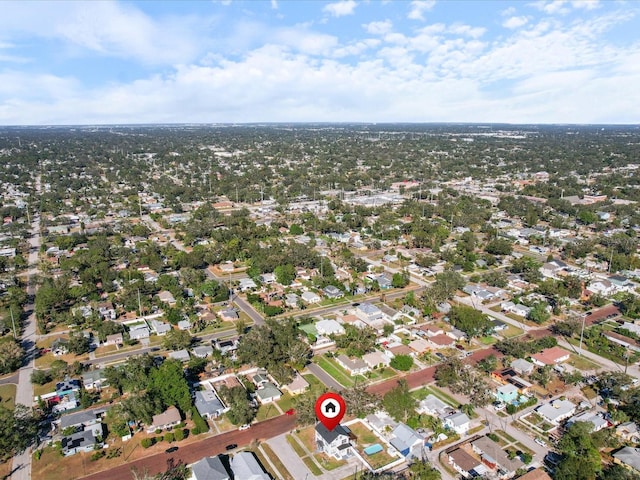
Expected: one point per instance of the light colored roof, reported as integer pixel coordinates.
(629, 456)
(207, 402)
(209, 468)
(352, 363)
(246, 467)
(556, 409)
(433, 404)
(298, 383)
(489, 448)
(537, 474)
(268, 390)
(405, 437)
(507, 388)
(329, 326)
(181, 355)
(169, 416)
(458, 419)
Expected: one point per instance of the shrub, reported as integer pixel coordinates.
(169, 437)
(147, 442)
(97, 455)
(179, 435)
(200, 423)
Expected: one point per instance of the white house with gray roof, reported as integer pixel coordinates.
(209, 468)
(246, 467)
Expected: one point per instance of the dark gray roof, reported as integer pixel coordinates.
(330, 435)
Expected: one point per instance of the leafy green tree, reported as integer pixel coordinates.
(488, 364)
(168, 383)
(11, 354)
(400, 280)
(402, 362)
(356, 341)
(78, 343)
(471, 321)
(18, 430)
(499, 246)
(40, 377)
(360, 402)
(423, 470)
(580, 457)
(285, 274)
(539, 313)
(176, 339)
(399, 403)
(241, 411)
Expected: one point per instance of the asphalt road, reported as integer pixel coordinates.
(205, 448)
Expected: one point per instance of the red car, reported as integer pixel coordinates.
(291, 411)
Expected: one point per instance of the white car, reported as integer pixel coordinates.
(540, 442)
(244, 427)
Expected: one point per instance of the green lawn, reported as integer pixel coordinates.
(365, 436)
(335, 371)
(267, 411)
(327, 462)
(581, 363)
(488, 340)
(285, 402)
(309, 328)
(443, 396)
(296, 446)
(311, 465)
(511, 331)
(381, 374)
(8, 395)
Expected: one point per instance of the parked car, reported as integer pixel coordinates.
(244, 427)
(540, 442)
(291, 411)
(231, 446)
(171, 449)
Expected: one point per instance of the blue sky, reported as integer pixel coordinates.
(536, 61)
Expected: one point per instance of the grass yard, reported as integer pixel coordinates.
(443, 396)
(286, 402)
(511, 331)
(312, 466)
(8, 395)
(309, 328)
(377, 460)
(335, 371)
(488, 340)
(381, 374)
(308, 438)
(284, 473)
(581, 363)
(589, 392)
(267, 411)
(42, 389)
(291, 440)
(505, 435)
(327, 462)
(365, 436)
(314, 384)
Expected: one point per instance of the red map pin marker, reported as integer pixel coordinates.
(330, 408)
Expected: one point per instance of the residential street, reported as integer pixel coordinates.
(207, 447)
(21, 466)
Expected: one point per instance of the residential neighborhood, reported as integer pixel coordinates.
(165, 324)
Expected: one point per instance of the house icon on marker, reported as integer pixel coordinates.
(330, 407)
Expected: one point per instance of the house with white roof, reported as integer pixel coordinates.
(355, 366)
(245, 466)
(310, 297)
(556, 411)
(407, 441)
(329, 327)
(432, 405)
(458, 422)
(376, 359)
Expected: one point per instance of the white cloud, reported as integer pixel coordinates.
(467, 30)
(107, 28)
(586, 4)
(378, 28)
(419, 8)
(553, 7)
(341, 8)
(515, 22)
(507, 12)
(274, 4)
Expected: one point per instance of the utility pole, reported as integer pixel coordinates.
(584, 318)
(139, 303)
(15, 334)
